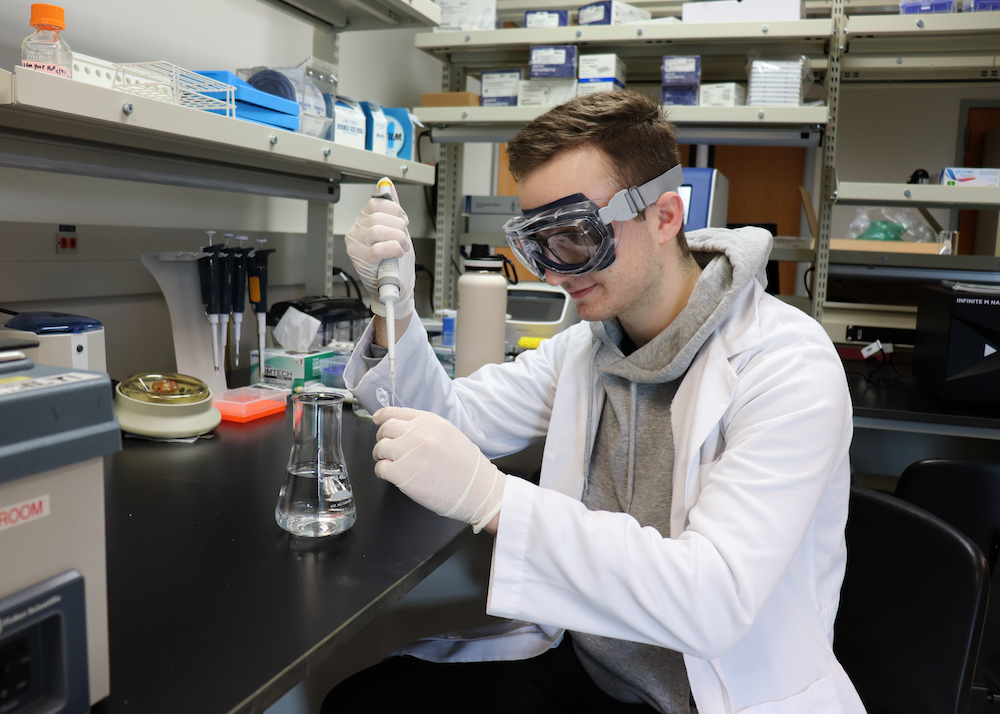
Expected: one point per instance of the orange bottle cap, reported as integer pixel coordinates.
(48, 15)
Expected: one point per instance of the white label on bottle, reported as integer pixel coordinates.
(47, 67)
(548, 55)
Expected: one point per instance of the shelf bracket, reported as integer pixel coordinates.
(449, 199)
(828, 177)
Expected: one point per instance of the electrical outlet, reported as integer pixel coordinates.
(66, 239)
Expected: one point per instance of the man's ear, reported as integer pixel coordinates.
(665, 218)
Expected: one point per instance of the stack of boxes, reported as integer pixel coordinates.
(552, 76)
(776, 82)
(600, 73)
(500, 88)
(681, 77)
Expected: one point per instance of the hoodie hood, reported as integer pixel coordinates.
(730, 260)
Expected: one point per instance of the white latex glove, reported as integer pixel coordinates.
(379, 232)
(436, 465)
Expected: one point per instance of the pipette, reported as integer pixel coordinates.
(387, 280)
(240, 260)
(224, 264)
(258, 297)
(208, 273)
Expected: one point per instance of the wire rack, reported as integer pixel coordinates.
(169, 83)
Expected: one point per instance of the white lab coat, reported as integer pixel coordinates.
(748, 583)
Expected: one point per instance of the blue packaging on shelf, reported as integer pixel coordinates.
(681, 69)
(400, 132)
(679, 95)
(921, 7)
(260, 115)
(249, 95)
(552, 62)
(376, 125)
(499, 87)
(981, 6)
(546, 18)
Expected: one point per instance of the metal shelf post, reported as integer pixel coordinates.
(828, 180)
(449, 197)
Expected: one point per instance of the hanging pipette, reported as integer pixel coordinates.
(240, 260)
(224, 265)
(209, 275)
(258, 297)
(387, 280)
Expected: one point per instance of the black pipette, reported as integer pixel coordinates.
(240, 260)
(209, 275)
(258, 298)
(224, 264)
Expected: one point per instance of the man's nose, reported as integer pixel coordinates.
(554, 279)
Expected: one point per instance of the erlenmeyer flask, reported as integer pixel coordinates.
(316, 498)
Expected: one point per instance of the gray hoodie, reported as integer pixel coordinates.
(631, 468)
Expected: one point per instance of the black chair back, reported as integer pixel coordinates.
(911, 608)
(965, 494)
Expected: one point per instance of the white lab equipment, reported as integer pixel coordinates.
(388, 284)
(57, 428)
(177, 275)
(537, 309)
(63, 340)
(165, 405)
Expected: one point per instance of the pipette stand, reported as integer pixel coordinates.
(177, 275)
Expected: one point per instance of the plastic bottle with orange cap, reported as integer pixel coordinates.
(45, 50)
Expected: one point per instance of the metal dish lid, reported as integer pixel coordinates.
(165, 388)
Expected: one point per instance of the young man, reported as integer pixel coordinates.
(686, 540)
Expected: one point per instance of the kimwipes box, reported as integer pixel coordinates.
(288, 369)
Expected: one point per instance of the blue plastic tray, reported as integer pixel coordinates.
(248, 95)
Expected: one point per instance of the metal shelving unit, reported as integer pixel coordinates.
(48, 123)
(859, 47)
(724, 46)
(925, 195)
(344, 15)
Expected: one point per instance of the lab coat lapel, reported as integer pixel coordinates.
(705, 393)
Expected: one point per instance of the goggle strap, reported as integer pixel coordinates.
(626, 204)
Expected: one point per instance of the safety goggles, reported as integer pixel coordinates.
(575, 236)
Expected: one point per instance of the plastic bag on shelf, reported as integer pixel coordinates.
(893, 224)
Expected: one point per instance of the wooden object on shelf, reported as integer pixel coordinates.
(884, 246)
(449, 99)
(523, 274)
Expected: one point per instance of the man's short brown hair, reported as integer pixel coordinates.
(629, 128)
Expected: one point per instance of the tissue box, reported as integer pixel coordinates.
(684, 69)
(590, 86)
(465, 15)
(546, 18)
(726, 94)
(956, 176)
(553, 62)
(288, 369)
(605, 67)
(376, 128)
(545, 93)
(349, 123)
(611, 12)
(499, 87)
(679, 95)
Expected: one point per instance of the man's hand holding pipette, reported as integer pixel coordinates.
(380, 233)
(438, 466)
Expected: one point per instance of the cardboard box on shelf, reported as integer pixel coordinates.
(449, 99)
